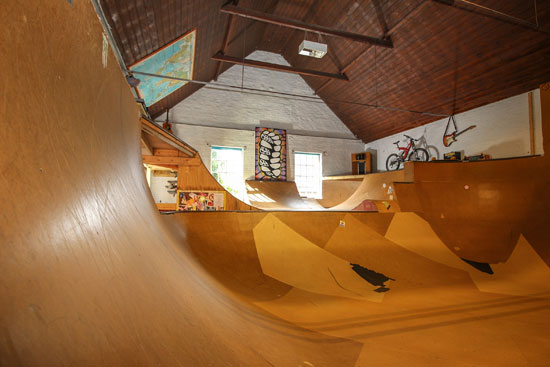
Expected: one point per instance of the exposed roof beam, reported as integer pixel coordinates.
(225, 42)
(297, 24)
(245, 29)
(172, 161)
(277, 67)
(224, 45)
(153, 129)
(390, 31)
(380, 15)
(491, 13)
(146, 144)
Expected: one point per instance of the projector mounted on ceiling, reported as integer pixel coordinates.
(312, 49)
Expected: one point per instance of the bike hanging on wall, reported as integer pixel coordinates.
(448, 139)
(409, 153)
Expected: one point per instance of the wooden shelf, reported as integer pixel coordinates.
(361, 163)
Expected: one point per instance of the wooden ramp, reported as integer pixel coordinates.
(93, 275)
(337, 195)
(277, 195)
(435, 305)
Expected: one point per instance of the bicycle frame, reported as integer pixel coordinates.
(406, 149)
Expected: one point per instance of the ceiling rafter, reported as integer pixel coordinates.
(245, 29)
(380, 17)
(504, 54)
(225, 39)
(491, 13)
(366, 49)
(309, 17)
(277, 67)
(297, 24)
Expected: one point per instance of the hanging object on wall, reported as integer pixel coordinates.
(450, 138)
(200, 200)
(175, 59)
(270, 154)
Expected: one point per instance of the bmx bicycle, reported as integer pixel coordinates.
(409, 153)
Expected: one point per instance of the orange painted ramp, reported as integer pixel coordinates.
(434, 304)
(93, 275)
(278, 195)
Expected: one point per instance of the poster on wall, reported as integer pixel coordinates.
(200, 200)
(176, 59)
(270, 154)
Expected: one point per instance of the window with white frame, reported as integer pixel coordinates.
(308, 174)
(226, 165)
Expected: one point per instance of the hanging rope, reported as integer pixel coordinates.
(375, 78)
(244, 50)
(536, 13)
(452, 117)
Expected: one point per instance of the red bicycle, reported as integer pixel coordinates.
(394, 160)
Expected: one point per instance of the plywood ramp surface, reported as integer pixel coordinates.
(277, 195)
(336, 192)
(93, 275)
(374, 187)
(435, 301)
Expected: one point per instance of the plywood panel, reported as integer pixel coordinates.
(91, 275)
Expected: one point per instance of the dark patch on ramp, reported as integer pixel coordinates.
(372, 277)
(484, 267)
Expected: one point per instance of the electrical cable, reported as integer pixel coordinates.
(286, 96)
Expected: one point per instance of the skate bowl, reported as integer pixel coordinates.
(94, 275)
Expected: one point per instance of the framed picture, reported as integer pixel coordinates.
(176, 59)
(200, 200)
(270, 154)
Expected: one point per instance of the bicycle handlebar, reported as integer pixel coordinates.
(410, 137)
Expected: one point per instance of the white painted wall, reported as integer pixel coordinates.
(336, 152)
(158, 189)
(223, 118)
(243, 109)
(502, 131)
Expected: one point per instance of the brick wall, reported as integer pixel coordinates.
(228, 118)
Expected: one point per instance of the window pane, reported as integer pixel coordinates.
(308, 174)
(226, 165)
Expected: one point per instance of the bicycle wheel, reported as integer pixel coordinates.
(393, 162)
(419, 154)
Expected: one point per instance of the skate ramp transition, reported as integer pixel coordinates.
(92, 274)
(373, 193)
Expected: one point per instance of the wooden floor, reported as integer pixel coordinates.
(93, 275)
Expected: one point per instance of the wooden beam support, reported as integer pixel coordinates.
(155, 130)
(297, 24)
(474, 8)
(171, 161)
(166, 153)
(277, 67)
(380, 15)
(390, 32)
(245, 30)
(225, 42)
(165, 167)
(146, 144)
